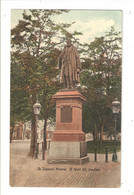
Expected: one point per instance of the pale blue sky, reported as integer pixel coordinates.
(91, 23)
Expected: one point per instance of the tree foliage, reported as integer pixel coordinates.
(35, 44)
(101, 78)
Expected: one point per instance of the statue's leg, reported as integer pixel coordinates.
(73, 85)
(65, 82)
(68, 82)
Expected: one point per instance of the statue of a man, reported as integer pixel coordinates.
(69, 63)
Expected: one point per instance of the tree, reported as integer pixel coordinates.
(20, 106)
(102, 78)
(35, 48)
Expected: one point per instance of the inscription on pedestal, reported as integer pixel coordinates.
(66, 114)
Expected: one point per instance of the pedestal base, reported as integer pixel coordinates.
(68, 141)
(75, 161)
(68, 136)
(68, 152)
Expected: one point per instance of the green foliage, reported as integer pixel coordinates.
(34, 55)
(20, 106)
(101, 80)
(35, 42)
(34, 65)
(34, 59)
(101, 149)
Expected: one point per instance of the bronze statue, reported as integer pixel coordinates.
(69, 63)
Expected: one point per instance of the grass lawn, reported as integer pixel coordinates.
(102, 148)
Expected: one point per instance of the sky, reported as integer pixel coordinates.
(92, 23)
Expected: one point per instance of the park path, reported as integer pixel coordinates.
(27, 172)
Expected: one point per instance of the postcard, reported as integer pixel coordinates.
(66, 121)
(65, 116)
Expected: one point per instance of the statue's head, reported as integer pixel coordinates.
(68, 42)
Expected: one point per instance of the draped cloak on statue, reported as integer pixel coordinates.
(69, 63)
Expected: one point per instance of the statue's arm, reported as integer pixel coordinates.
(60, 62)
(77, 60)
(60, 59)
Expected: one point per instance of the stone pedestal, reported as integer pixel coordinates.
(68, 142)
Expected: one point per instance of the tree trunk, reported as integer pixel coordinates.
(32, 145)
(17, 133)
(101, 133)
(11, 133)
(96, 134)
(44, 137)
(44, 134)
